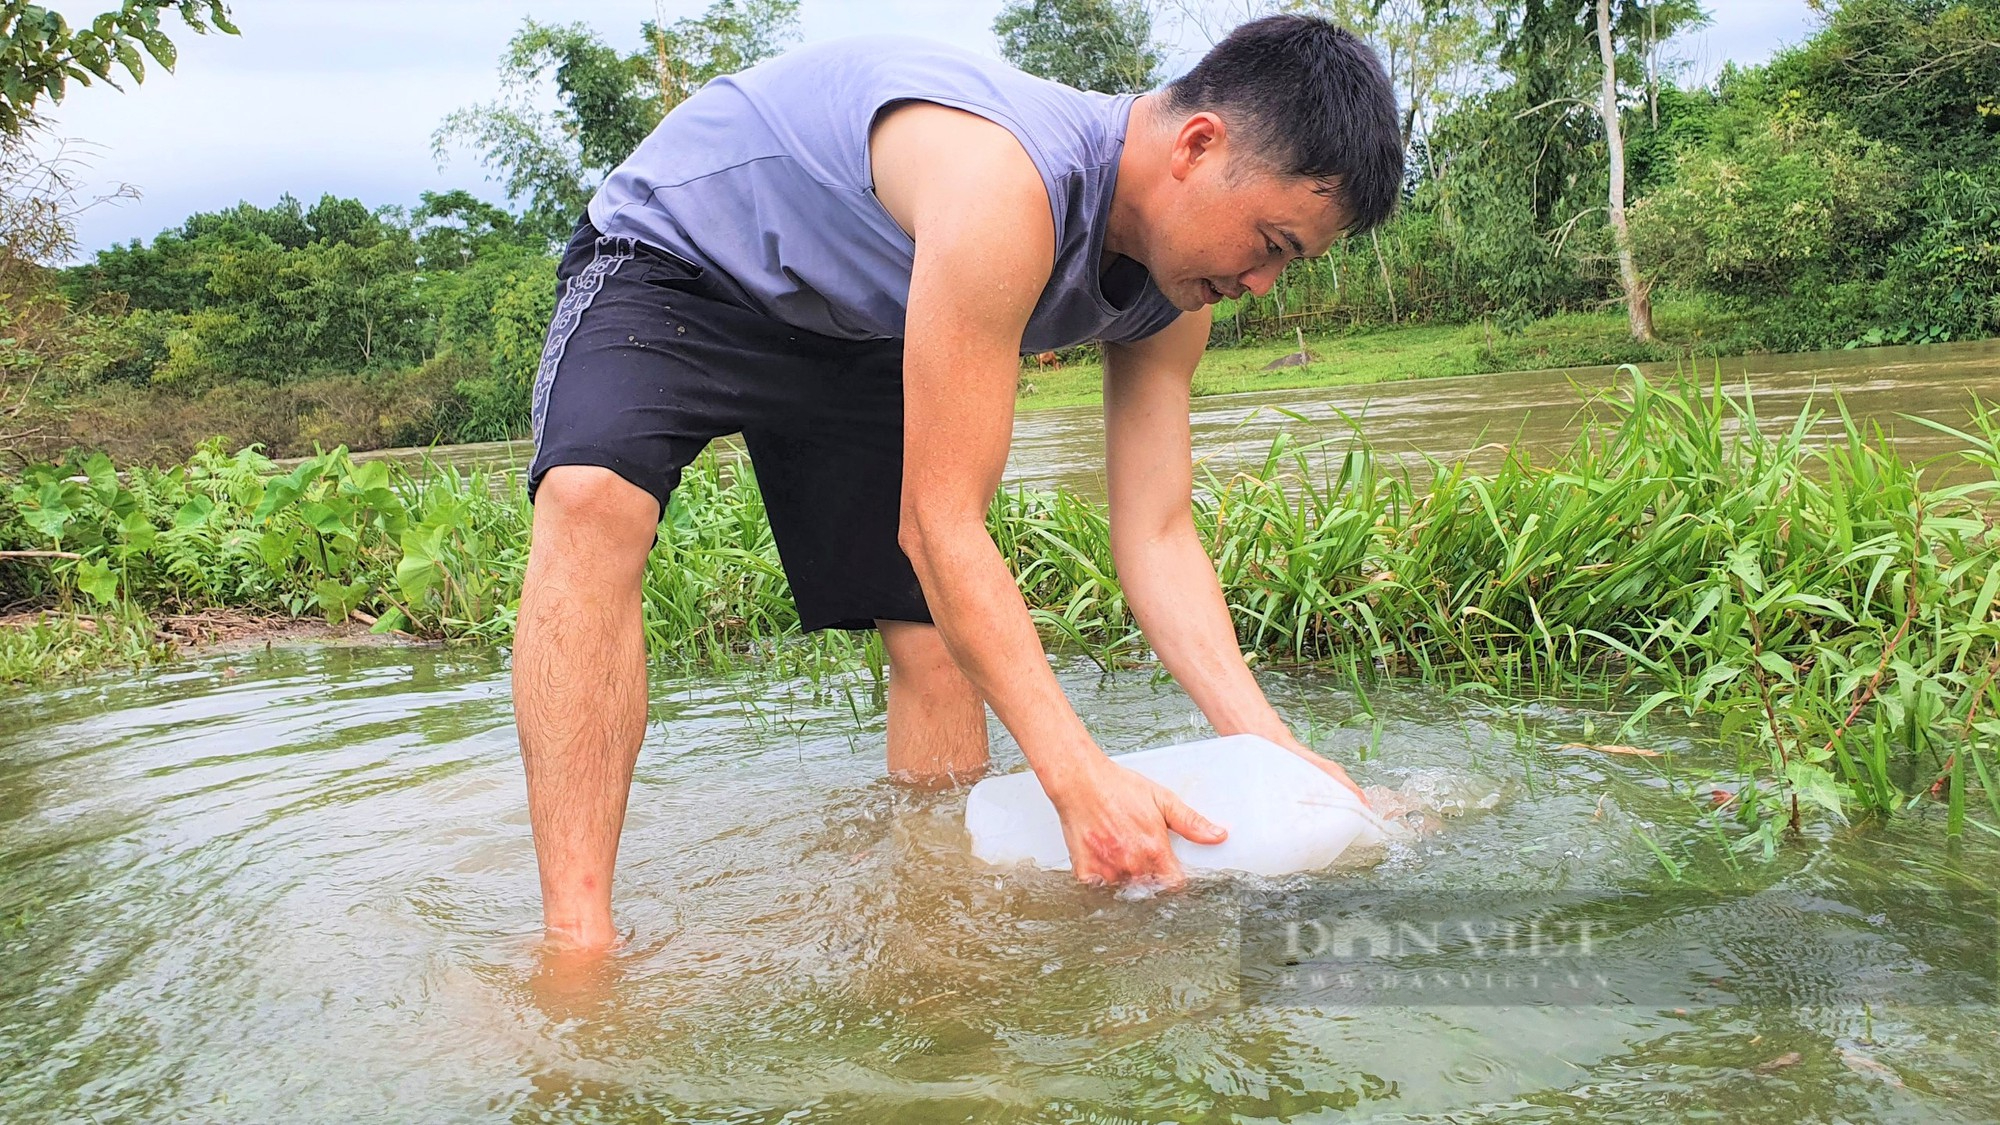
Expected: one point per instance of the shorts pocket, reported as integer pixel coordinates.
(658, 264)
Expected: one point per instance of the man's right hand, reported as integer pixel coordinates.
(1116, 823)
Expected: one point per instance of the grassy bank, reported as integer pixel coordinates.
(1832, 611)
(162, 425)
(1381, 355)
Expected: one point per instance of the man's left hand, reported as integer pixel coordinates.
(1286, 739)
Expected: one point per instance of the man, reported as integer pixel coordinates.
(843, 253)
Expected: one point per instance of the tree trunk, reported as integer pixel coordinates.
(1388, 286)
(1653, 63)
(1638, 301)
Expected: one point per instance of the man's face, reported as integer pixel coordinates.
(1228, 225)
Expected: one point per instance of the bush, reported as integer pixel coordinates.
(119, 346)
(1801, 197)
(1943, 281)
(157, 425)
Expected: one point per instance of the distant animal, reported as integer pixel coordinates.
(1297, 359)
(1048, 359)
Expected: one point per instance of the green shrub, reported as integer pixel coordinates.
(1799, 198)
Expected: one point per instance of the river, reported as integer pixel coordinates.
(295, 883)
(1414, 420)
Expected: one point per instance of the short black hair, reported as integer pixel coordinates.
(1313, 100)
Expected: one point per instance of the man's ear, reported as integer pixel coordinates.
(1198, 139)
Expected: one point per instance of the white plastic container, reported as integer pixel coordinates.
(1283, 813)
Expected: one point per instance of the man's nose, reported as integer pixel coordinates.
(1260, 280)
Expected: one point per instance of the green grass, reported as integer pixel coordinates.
(60, 645)
(1422, 352)
(1830, 609)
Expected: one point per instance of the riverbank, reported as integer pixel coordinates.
(39, 646)
(1381, 355)
(163, 425)
(1832, 611)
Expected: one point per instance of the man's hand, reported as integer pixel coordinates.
(1116, 822)
(1284, 738)
(1169, 581)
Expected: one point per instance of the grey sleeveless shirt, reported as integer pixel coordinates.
(762, 179)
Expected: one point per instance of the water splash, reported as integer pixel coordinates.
(1427, 796)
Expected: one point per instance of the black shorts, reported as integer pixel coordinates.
(647, 362)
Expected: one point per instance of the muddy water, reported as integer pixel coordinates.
(297, 885)
(1447, 418)
(1542, 410)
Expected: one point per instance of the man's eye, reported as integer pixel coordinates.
(1270, 247)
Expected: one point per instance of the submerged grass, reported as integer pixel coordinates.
(1829, 606)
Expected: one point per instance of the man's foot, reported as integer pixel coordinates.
(572, 981)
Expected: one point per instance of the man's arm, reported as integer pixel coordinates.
(1166, 574)
(985, 249)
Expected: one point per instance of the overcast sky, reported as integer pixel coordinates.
(342, 96)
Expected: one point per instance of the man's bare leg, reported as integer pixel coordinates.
(580, 687)
(937, 720)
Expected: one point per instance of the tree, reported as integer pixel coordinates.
(1923, 75)
(456, 228)
(1638, 296)
(608, 102)
(731, 35)
(1566, 68)
(274, 315)
(1103, 45)
(1551, 65)
(40, 53)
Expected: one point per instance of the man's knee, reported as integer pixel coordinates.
(591, 514)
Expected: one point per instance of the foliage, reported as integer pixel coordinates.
(552, 160)
(498, 402)
(1832, 608)
(1103, 45)
(41, 53)
(1800, 195)
(273, 314)
(1942, 282)
(1923, 75)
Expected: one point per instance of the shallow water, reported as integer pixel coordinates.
(1413, 420)
(297, 885)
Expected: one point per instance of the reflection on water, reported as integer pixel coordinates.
(1447, 418)
(297, 885)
